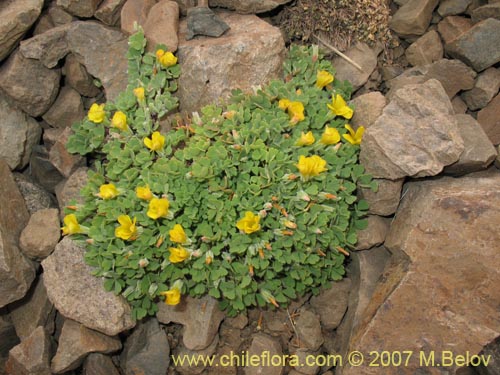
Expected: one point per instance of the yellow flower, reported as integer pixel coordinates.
(156, 142)
(311, 166)
(305, 139)
(119, 121)
(339, 107)
(143, 192)
(283, 104)
(177, 234)
(127, 229)
(177, 254)
(354, 138)
(96, 113)
(323, 78)
(158, 207)
(71, 225)
(249, 223)
(167, 59)
(139, 93)
(330, 136)
(108, 191)
(296, 112)
(159, 53)
(172, 296)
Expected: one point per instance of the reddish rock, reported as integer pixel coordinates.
(41, 235)
(459, 106)
(66, 110)
(99, 364)
(65, 162)
(109, 11)
(452, 27)
(135, 11)
(489, 118)
(162, 25)
(385, 200)
(374, 234)
(425, 50)
(413, 18)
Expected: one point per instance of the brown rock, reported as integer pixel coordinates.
(367, 108)
(425, 50)
(32, 86)
(374, 234)
(459, 106)
(486, 11)
(32, 356)
(308, 328)
(99, 364)
(69, 190)
(66, 110)
(200, 317)
(48, 47)
(453, 7)
(43, 24)
(489, 118)
(440, 226)
(76, 341)
(79, 8)
(331, 303)
(79, 295)
(9, 338)
(261, 343)
(413, 18)
(485, 88)
(240, 321)
(248, 6)
(162, 24)
(452, 27)
(182, 352)
(385, 200)
(59, 16)
(206, 78)
(77, 77)
(109, 11)
(16, 272)
(135, 11)
(41, 235)
(420, 118)
(42, 170)
(65, 162)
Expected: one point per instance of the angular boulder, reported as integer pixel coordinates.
(162, 24)
(262, 342)
(109, 11)
(425, 50)
(41, 235)
(385, 200)
(485, 88)
(135, 11)
(368, 107)
(66, 110)
(79, 8)
(248, 6)
(48, 47)
(452, 27)
(413, 18)
(76, 76)
(32, 355)
(489, 118)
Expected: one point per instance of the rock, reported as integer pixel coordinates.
(99, 364)
(105, 58)
(66, 110)
(69, 190)
(486, 11)
(42, 170)
(253, 54)
(440, 226)
(489, 118)
(203, 21)
(493, 350)
(261, 343)
(146, 350)
(331, 303)
(43, 24)
(301, 357)
(35, 197)
(76, 341)
(182, 352)
(420, 118)
(19, 133)
(308, 328)
(162, 24)
(109, 11)
(60, 158)
(9, 339)
(459, 105)
(385, 200)
(80, 296)
(452, 27)
(453, 7)
(248, 6)
(200, 317)
(497, 160)
(135, 11)
(364, 56)
(41, 235)
(368, 107)
(425, 50)
(77, 77)
(49, 47)
(31, 356)
(485, 88)
(413, 18)
(478, 46)
(33, 311)
(453, 75)
(59, 16)
(79, 8)
(479, 153)
(16, 17)
(184, 5)
(16, 272)
(240, 321)
(32, 86)
(374, 234)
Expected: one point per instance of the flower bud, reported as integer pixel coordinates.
(143, 263)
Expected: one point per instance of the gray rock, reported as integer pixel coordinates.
(479, 153)
(33, 311)
(16, 272)
(35, 196)
(109, 11)
(203, 21)
(364, 56)
(452, 27)
(32, 86)
(42, 170)
(493, 367)
(76, 341)
(69, 190)
(32, 355)
(135, 11)
(162, 24)
(189, 369)
(248, 6)
(146, 350)
(425, 50)
(41, 235)
(43, 24)
(80, 296)
(104, 58)
(48, 47)
(59, 16)
(240, 321)
(385, 200)
(65, 162)
(453, 7)
(16, 17)
(206, 78)
(77, 77)
(331, 303)
(301, 356)
(367, 108)
(374, 234)
(413, 18)
(486, 11)
(489, 118)
(261, 343)
(99, 364)
(9, 338)
(66, 110)
(79, 8)
(485, 88)
(200, 317)
(308, 327)
(416, 135)
(19, 133)
(478, 47)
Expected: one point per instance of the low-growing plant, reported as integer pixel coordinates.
(253, 204)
